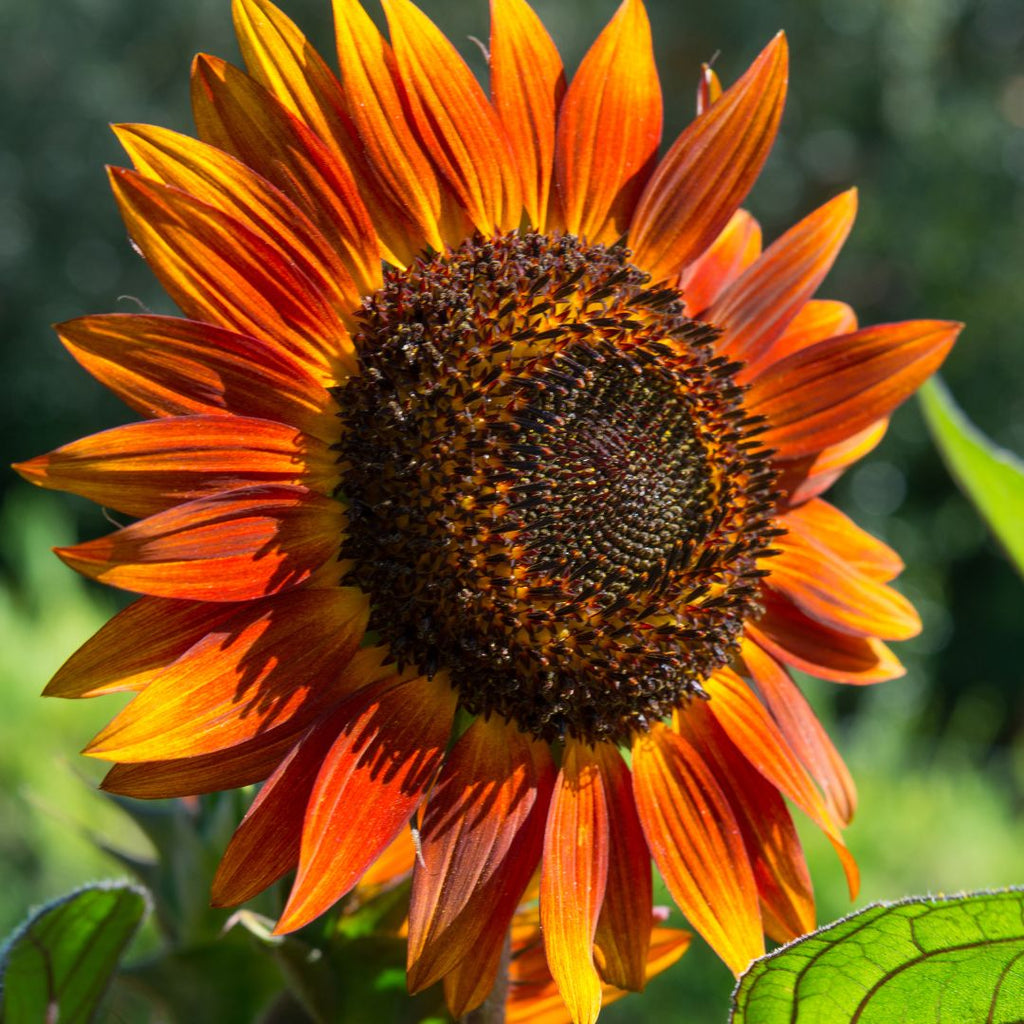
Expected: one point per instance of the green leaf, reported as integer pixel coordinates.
(925, 960)
(58, 964)
(992, 477)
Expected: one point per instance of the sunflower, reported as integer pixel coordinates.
(480, 482)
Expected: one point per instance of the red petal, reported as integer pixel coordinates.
(459, 127)
(816, 321)
(710, 168)
(697, 845)
(481, 838)
(240, 117)
(785, 632)
(749, 726)
(148, 467)
(757, 307)
(167, 366)
(832, 591)
(273, 664)
(803, 732)
(234, 546)
(218, 270)
(574, 873)
(609, 128)
(116, 659)
(527, 86)
(624, 927)
(721, 263)
(827, 393)
(371, 780)
(783, 881)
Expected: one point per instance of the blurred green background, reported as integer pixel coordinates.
(920, 103)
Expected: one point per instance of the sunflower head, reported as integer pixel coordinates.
(489, 449)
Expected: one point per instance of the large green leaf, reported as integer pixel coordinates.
(992, 477)
(927, 960)
(58, 964)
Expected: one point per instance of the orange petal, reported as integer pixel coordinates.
(709, 169)
(266, 843)
(609, 128)
(533, 996)
(832, 591)
(697, 845)
(218, 179)
(215, 269)
(803, 732)
(783, 881)
(624, 927)
(574, 873)
(167, 366)
(208, 773)
(757, 307)
(115, 659)
(147, 467)
(371, 780)
(227, 547)
(750, 727)
(527, 86)
(273, 664)
(785, 632)
(827, 393)
(399, 176)
(459, 127)
(393, 864)
(804, 478)
(236, 114)
(816, 321)
(481, 838)
(823, 524)
(721, 263)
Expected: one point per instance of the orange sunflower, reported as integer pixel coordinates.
(489, 449)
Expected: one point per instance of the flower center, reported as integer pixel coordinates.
(552, 486)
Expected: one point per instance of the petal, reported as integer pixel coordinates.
(833, 592)
(236, 114)
(757, 307)
(824, 525)
(624, 927)
(703, 178)
(609, 128)
(392, 865)
(750, 727)
(527, 87)
(709, 88)
(114, 659)
(167, 366)
(802, 731)
(721, 263)
(574, 873)
(274, 664)
(458, 126)
(783, 881)
(785, 632)
(208, 773)
(370, 782)
(827, 393)
(697, 845)
(227, 547)
(399, 176)
(481, 838)
(218, 179)
(805, 478)
(816, 321)
(147, 467)
(215, 269)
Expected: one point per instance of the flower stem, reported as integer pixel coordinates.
(492, 1009)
